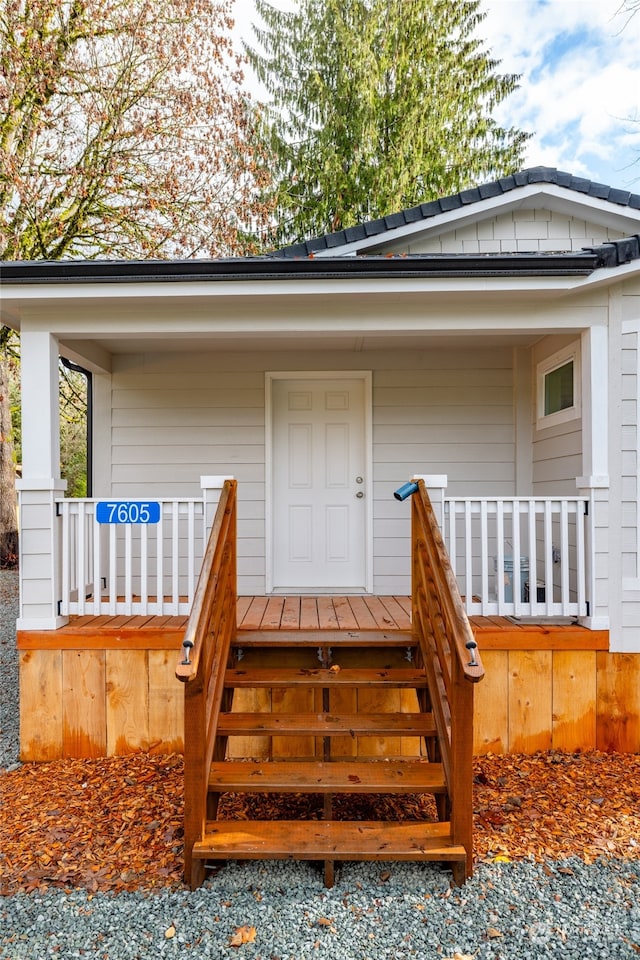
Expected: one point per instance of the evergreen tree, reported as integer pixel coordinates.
(377, 105)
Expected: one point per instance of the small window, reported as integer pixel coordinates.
(558, 386)
(558, 389)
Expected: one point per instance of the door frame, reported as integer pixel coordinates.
(366, 377)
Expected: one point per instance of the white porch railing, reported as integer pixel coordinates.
(134, 568)
(512, 556)
(520, 556)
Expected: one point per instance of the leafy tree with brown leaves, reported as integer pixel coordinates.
(124, 132)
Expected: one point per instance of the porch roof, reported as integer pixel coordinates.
(274, 267)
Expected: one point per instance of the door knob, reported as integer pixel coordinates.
(359, 480)
(359, 494)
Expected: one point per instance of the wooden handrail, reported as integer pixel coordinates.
(425, 530)
(451, 660)
(205, 651)
(206, 590)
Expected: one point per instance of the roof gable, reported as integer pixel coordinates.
(607, 213)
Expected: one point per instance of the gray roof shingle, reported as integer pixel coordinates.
(485, 191)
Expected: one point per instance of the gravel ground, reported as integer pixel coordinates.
(281, 911)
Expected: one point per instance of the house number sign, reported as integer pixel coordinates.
(128, 511)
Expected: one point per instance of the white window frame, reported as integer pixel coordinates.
(543, 369)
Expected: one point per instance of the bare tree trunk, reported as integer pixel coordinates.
(8, 499)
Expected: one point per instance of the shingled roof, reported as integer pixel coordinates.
(486, 191)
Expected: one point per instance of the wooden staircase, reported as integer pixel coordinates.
(328, 743)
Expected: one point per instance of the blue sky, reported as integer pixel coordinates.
(579, 62)
(579, 94)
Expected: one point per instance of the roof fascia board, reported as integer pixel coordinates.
(559, 198)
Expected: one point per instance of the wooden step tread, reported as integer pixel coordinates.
(319, 776)
(326, 724)
(324, 677)
(328, 839)
(324, 638)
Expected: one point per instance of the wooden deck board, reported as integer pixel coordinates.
(336, 776)
(323, 638)
(326, 724)
(324, 677)
(319, 839)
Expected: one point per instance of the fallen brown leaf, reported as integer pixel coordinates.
(243, 935)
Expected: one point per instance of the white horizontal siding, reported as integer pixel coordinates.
(201, 454)
(130, 418)
(557, 451)
(451, 415)
(438, 416)
(518, 231)
(444, 434)
(180, 435)
(175, 418)
(630, 480)
(188, 397)
(452, 395)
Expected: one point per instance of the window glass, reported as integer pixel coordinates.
(558, 389)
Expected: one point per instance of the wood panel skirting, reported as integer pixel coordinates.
(108, 688)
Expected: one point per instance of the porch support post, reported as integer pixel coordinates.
(40, 484)
(211, 490)
(436, 484)
(595, 459)
(595, 404)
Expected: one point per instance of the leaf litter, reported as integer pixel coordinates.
(116, 824)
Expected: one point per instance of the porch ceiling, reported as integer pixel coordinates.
(316, 341)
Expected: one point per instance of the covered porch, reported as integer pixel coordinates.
(194, 380)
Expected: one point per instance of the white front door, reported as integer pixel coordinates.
(319, 486)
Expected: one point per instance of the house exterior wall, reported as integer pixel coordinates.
(177, 417)
(518, 231)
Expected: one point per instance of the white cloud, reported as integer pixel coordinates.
(580, 82)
